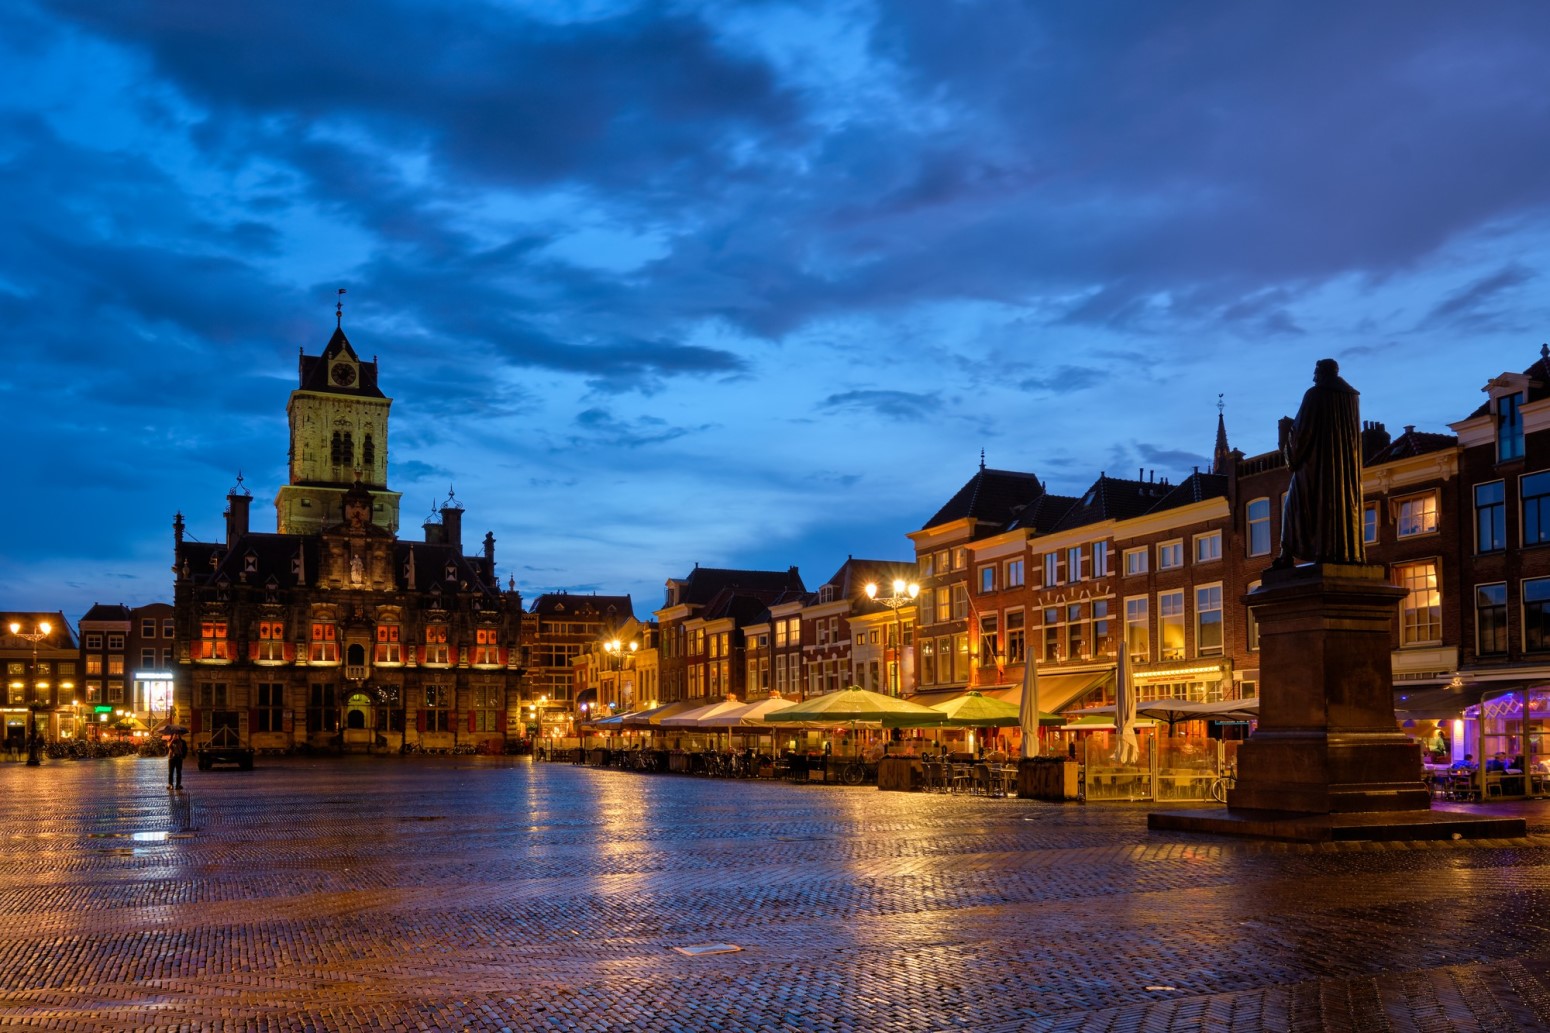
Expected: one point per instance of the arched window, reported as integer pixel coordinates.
(368, 452)
(347, 451)
(335, 450)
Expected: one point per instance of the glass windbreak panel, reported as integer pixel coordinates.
(1511, 751)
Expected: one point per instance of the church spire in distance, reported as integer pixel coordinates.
(1221, 458)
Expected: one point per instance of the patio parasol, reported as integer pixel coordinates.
(971, 710)
(855, 706)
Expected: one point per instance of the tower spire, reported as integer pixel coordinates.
(1221, 457)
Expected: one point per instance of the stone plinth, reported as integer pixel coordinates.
(1327, 743)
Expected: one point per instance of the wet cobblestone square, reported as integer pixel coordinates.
(496, 894)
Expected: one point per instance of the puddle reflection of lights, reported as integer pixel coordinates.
(149, 837)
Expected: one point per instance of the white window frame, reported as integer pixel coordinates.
(1211, 542)
(1166, 548)
(1221, 620)
(1137, 561)
(1416, 509)
(1251, 522)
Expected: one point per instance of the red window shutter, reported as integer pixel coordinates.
(419, 654)
(289, 652)
(419, 720)
(503, 653)
(471, 721)
(252, 650)
(194, 724)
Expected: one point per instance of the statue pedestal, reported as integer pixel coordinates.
(1327, 760)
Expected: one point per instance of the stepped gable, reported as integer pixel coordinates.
(1413, 443)
(1197, 487)
(990, 496)
(1114, 498)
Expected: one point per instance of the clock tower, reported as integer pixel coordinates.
(339, 428)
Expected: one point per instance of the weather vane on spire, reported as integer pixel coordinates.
(339, 310)
(1220, 405)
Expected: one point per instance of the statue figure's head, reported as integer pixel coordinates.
(1325, 370)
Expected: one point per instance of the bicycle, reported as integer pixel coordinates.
(1220, 785)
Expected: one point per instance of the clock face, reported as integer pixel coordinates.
(343, 374)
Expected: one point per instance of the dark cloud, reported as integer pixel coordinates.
(1470, 306)
(1068, 378)
(903, 406)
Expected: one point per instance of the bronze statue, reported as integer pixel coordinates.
(1322, 519)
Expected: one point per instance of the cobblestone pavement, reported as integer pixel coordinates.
(495, 894)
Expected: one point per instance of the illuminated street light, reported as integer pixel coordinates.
(904, 593)
(36, 635)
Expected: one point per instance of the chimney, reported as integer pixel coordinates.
(237, 516)
(452, 527)
(1374, 438)
(435, 534)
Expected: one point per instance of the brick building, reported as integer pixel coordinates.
(699, 608)
(332, 632)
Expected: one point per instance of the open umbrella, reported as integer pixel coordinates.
(971, 710)
(847, 706)
(173, 730)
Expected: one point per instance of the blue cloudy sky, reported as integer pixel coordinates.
(743, 283)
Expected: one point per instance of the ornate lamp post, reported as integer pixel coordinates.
(36, 635)
(904, 593)
(616, 649)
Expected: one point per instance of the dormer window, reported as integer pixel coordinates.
(1509, 427)
(451, 572)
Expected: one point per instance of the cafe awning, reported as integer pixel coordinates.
(1056, 691)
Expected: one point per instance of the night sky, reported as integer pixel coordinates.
(743, 284)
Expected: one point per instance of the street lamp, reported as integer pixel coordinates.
(36, 635)
(615, 649)
(904, 593)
